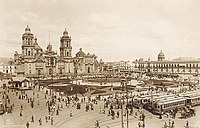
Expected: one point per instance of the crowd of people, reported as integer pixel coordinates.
(111, 106)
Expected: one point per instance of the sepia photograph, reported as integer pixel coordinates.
(99, 64)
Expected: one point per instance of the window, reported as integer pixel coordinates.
(67, 53)
(61, 71)
(29, 53)
(50, 71)
(39, 72)
(28, 41)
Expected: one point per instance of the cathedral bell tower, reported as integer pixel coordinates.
(27, 43)
(65, 45)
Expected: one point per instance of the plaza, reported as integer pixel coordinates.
(65, 112)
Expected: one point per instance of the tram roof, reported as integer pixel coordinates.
(163, 96)
(171, 100)
(190, 93)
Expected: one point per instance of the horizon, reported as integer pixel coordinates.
(113, 31)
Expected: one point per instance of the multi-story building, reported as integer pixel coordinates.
(180, 65)
(7, 66)
(34, 62)
(119, 67)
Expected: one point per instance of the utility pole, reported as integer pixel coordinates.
(52, 62)
(126, 101)
(122, 105)
(122, 113)
(5, 93)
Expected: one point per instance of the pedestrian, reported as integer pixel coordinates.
(20, 113)
(40, 121)
(165, 125)
(117, 114)
(139, 125)
(27, 124)
(135, 114)
(71, 113)
(172, 124)
(32, 119)
(49, 117)
(57, 112)
(97, 124)
(46, 118)
(187, 125)
(21, 107)
(51, 120)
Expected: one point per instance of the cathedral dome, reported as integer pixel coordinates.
(65, 32)
(80, 53)
(161, 56)
(27, 29)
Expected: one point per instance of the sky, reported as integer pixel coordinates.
(114, 30)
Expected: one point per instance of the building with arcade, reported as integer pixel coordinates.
(181, 65)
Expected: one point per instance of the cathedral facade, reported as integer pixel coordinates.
(33, 61)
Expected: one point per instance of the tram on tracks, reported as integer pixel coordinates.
(193, 98)
(166, 105)
(162, 105)
(140, 101)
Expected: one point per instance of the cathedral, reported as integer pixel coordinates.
(33, 61)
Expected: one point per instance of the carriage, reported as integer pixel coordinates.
(187, 112)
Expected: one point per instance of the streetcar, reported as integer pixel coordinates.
(166, 105)
(140, 101)
(192, 97)
(193, 100)
(161, 97)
